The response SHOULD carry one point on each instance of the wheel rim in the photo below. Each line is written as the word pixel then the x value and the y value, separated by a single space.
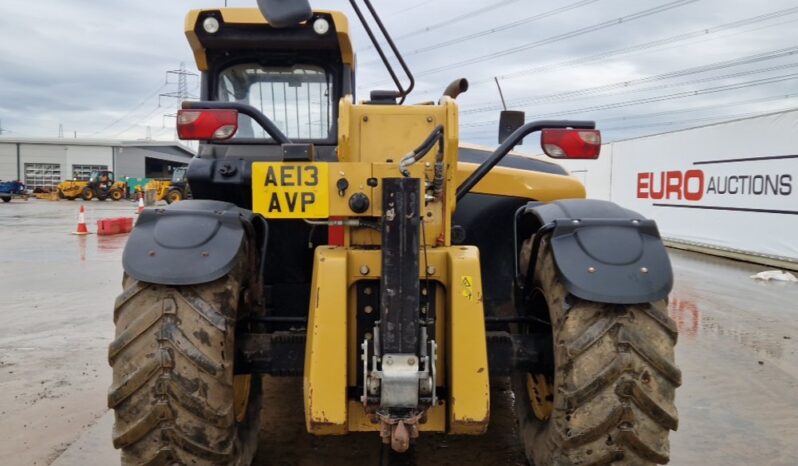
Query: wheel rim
pixel 174 197
pixel 540 382
pixel 541 395
pixel 242 384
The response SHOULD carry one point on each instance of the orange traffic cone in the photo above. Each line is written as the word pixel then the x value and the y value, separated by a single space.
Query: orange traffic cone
pixel 81 230
pixel 141 203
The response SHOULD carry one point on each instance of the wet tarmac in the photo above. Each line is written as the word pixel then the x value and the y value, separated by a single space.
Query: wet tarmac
pixel 56 294
pixel 737 351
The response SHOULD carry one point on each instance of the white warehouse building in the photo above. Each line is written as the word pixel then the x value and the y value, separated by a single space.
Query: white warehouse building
pixel 42 163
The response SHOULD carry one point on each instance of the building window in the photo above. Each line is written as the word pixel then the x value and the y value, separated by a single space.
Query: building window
pixel 83 172
pixel 42 175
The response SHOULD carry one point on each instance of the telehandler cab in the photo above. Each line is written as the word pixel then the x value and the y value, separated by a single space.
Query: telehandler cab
pixel 432 268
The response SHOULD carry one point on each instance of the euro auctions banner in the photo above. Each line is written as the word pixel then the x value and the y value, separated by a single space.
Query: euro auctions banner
pixel 731 186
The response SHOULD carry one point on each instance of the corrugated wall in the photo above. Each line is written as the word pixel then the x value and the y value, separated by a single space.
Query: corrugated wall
pixel 8 162
pixel 87 155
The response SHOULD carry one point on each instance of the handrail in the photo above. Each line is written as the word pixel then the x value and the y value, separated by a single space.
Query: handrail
pixel 403 92
pixel 508 145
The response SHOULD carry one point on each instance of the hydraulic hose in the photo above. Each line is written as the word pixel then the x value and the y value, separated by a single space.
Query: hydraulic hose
pixel 436 136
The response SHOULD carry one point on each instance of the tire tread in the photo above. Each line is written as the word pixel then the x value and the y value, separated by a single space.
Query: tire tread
pixel 173 377
pixel 615 382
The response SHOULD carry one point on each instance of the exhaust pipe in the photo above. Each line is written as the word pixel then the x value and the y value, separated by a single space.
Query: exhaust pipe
pixel 457 87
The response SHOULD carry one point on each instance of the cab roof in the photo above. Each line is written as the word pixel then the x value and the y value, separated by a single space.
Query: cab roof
pixel 253 17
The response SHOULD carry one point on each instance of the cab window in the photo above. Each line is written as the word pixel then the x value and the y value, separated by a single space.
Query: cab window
pixel 298 99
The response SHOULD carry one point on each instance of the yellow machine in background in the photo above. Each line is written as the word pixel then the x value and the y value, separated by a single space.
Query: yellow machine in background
pixel 160 186
pixel 100 185
pixel 172 190
pixel 357 245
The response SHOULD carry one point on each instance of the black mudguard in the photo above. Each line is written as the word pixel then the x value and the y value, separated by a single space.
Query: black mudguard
pixel 187 243
pixel 603 252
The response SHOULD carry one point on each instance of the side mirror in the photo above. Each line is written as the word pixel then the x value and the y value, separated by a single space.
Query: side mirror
pixel 509 121
pixel 285 13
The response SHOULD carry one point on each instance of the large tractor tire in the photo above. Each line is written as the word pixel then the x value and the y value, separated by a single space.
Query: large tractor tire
pixel 176 397
pixel 87 194
pixel 608 397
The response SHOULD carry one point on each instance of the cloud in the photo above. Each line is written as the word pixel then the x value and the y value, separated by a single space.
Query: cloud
pixel 87 63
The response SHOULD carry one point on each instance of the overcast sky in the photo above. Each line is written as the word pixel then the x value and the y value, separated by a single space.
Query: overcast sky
pixel 97 67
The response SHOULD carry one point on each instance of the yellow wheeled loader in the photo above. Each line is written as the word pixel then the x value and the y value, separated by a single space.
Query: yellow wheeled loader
pixel 432 268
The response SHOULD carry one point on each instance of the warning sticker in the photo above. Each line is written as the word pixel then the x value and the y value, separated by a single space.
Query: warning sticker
pixel 468 286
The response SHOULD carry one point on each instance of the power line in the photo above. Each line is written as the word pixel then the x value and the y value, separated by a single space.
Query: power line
pixel 130 112
pixel 494 30
pixel 651 44
pixel 138 122
pixel 641 116
pixel 646 46
pixel 750 59
pixel 446 22
pixel 687 124
pixel 678 95
pixel 702 108
pixel 559 37
pixel 163 131
pixel 727 116
pixel 412 7
pixel 716 78
pixel 181 93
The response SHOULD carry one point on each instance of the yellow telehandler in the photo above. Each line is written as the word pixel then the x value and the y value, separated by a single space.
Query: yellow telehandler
pixel 100 185
pixel 433 268
pixel 170 190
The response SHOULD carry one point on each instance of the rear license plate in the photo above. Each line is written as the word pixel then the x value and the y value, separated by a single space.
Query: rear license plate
pixel 290 190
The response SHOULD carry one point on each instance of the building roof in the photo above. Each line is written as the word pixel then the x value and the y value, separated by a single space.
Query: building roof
pixel 95 142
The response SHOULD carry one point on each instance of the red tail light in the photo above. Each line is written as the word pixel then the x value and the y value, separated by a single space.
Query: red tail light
pixel 206 125
pixel 571 143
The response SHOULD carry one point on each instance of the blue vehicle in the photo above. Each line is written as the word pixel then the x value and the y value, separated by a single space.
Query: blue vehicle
pixel 11 189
